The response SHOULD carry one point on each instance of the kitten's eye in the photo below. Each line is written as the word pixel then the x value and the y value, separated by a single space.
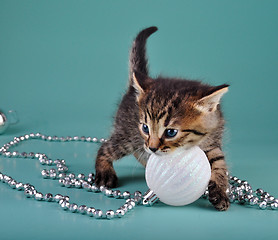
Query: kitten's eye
pixel 169 133
pixel 145 129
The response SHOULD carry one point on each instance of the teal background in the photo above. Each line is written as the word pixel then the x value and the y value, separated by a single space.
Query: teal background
pixel 63 68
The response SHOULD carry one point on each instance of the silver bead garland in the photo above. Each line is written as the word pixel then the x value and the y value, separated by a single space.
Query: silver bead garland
pixel 239 191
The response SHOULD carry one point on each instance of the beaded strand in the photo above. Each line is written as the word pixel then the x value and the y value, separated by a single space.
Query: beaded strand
pixel 239 191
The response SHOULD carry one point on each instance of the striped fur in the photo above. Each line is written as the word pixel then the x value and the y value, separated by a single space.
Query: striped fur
pixel 153 107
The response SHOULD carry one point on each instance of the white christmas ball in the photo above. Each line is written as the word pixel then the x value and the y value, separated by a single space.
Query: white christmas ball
pixel 178 178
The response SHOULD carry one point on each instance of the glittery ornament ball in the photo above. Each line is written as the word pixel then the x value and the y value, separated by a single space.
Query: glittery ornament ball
pixel 178 178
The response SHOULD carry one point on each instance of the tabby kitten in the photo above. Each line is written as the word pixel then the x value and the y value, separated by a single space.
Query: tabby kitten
pixel 158 115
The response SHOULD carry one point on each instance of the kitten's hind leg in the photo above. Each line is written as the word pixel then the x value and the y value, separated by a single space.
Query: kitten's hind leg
pixel 114 149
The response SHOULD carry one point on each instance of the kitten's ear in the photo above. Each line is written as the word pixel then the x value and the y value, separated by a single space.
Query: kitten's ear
pixel 140 82
pixel 212 99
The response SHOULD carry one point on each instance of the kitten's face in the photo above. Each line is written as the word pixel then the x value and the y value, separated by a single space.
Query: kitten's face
pixel 167 124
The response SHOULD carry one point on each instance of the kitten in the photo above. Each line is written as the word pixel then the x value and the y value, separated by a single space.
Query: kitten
pixel 158 115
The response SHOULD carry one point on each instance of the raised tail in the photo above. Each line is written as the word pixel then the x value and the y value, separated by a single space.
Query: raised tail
pixel 137 59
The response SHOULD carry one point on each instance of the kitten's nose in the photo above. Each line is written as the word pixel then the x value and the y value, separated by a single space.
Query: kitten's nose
pixel 153 149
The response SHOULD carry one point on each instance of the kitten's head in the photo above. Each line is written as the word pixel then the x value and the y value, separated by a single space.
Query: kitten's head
pixel 176 113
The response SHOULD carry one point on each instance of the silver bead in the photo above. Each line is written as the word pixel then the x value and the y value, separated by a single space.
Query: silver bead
pixel 270 199
pixel 54 138
pixel 76 138
pixel 81 176
pixel 58 197
pixel 253 201
pixel 124 208
pixel 78 184
pixel 82 209
pixel 83 138
pixel 274 206
pixel 19 186
pixel 98 214
pixel 63 169
pixel 31 154
pixel 62 161
pixel 48 197
pixel 28 186
pixel 120 213
pixel 91 211
pixel 49 162
pixel 232 198
pixel 241 199
pixel 53 175
pixel 117 194
pixel 62 175
pixel 88 139
pixel 138 200
pixel 23 154
pixel 71 175
pixel 67 179
pixel 42 161
pixel 29 193
pixel 73 207
pixel 130 205
pixel 87 186
pixel 38 135
pixel 259 191
pixel 110 214
pixel 131 201
pixel 72 181
pixel 90 180
pixel 38 196
pixel 67 198
pixel 6 178
pixel 45 173
pixel 64 204
pixel 126 194
pixel 94 188
pixel 62 182
pixel 102 188
pixel 1 177
pixel 108 193
pixel 15 154
pixel 67 184
pixel 137 194
pixel 94 139
pixel 263 205
pixel 265 195
pixel 12 183
pixel 102 140
pixel 91 175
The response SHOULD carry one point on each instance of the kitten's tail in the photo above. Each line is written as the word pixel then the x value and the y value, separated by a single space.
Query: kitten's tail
pixel 137 59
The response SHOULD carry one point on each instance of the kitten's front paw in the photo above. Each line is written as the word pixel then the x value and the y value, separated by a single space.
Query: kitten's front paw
pixel 218 197
pixel 107 178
